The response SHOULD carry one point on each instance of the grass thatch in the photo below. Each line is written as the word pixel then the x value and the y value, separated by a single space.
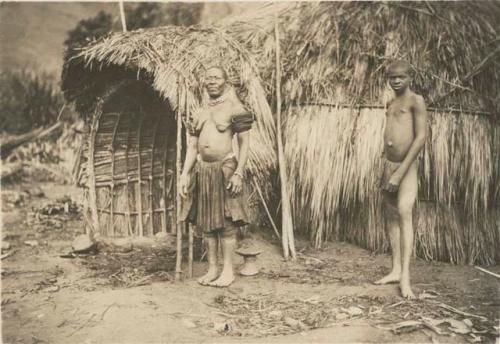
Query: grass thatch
pixel 173 59
pixel 336 53
pixel 339 50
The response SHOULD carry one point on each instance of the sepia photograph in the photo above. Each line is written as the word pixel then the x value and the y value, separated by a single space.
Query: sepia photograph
pixel 250 172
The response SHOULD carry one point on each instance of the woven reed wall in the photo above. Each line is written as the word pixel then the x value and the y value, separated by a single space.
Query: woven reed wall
pixel 129 162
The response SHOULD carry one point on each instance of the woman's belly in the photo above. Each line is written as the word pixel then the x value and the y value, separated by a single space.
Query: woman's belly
pixel 214 145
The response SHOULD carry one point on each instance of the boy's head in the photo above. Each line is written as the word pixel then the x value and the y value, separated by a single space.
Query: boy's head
pixel 399 74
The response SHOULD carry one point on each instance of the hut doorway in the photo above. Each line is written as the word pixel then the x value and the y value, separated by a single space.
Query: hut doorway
pixel 131 163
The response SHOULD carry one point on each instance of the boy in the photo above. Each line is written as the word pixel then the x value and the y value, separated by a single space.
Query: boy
pixel 404 138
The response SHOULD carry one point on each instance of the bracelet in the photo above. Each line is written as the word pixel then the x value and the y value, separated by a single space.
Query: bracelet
pixel 238 174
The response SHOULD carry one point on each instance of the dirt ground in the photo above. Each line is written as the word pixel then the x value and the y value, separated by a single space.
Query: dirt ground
pixel 129 296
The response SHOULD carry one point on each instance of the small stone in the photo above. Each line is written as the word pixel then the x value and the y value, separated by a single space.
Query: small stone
pixel 126 248
pixel 31 243
pixel 468 322
pixel 353 311
pixel 52 289
pixel 291 322
pixel 222 327
pixel 276 314
pixel 83 244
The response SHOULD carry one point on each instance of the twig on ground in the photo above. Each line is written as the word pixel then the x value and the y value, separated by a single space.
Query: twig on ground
pixel 82 326
pixel 454 310
pixel 8 254
pixel 487 272
pixel 396 304
pixel 107 309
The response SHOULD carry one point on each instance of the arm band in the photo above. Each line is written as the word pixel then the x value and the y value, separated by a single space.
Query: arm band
pixel 242 122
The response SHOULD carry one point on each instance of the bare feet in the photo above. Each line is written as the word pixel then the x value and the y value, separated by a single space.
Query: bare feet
pixel 406 291
pixel 208 277
pixel 393 277
pixel 224 280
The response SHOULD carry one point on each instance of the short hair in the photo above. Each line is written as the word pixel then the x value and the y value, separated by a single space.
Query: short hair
pixel 224 73
pixel 400 64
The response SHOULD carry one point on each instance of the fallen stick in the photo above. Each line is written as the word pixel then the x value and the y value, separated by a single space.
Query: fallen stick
pixel 107 309
pixel 396 304
pixel 454 310
pixel 487 272
pixel 8 254
pixel 82 326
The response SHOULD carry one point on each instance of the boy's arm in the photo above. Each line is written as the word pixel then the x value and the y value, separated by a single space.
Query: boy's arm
pixel 420 125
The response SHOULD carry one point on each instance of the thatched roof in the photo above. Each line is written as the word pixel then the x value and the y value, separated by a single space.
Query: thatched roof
pixel 173 60
pixel 339 50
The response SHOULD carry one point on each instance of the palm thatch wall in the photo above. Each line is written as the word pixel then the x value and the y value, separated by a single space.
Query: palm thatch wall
pixel 335 55
pixel 334 91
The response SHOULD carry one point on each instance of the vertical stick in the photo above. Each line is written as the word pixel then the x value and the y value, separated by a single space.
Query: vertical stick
pixel 190 234
pixel 164 191
pixel 129 217
pixel 178 264
pixel 151 176
pixel 112 186
pixel 190 255
pixel 139 177
pixel 287 222
pixel 122 16
pixel 91 172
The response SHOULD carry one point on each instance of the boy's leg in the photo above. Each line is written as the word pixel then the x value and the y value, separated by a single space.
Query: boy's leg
pixel 407 196
pixel 228 236
pixel 212 243
pixel 392 227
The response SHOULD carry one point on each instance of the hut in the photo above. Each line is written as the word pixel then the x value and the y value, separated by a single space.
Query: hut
pixel 334 96
pixel 138 91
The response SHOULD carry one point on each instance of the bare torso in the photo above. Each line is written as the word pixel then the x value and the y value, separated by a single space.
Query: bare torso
pixel 215 141
pixel 399 130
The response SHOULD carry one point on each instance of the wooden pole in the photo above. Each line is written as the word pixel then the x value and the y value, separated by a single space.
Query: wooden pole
pixel 122 16
pixel 190 237
pixel 178 264
pixel 286 216
pixel 190 255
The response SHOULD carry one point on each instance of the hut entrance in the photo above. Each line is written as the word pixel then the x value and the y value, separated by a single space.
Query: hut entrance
pixel 132 148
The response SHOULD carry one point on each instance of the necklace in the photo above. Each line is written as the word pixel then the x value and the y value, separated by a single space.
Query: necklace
pixel 219 100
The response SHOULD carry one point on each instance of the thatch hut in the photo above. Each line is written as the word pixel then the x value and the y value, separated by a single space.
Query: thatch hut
pixel 334 95
pixel 138 91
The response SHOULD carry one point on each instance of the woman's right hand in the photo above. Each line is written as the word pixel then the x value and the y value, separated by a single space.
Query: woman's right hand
pixel 183 186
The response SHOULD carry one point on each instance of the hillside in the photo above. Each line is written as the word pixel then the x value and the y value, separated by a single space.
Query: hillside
pixel 32 34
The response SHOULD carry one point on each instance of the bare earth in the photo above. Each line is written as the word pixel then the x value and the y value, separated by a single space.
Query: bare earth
pixel 130 296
